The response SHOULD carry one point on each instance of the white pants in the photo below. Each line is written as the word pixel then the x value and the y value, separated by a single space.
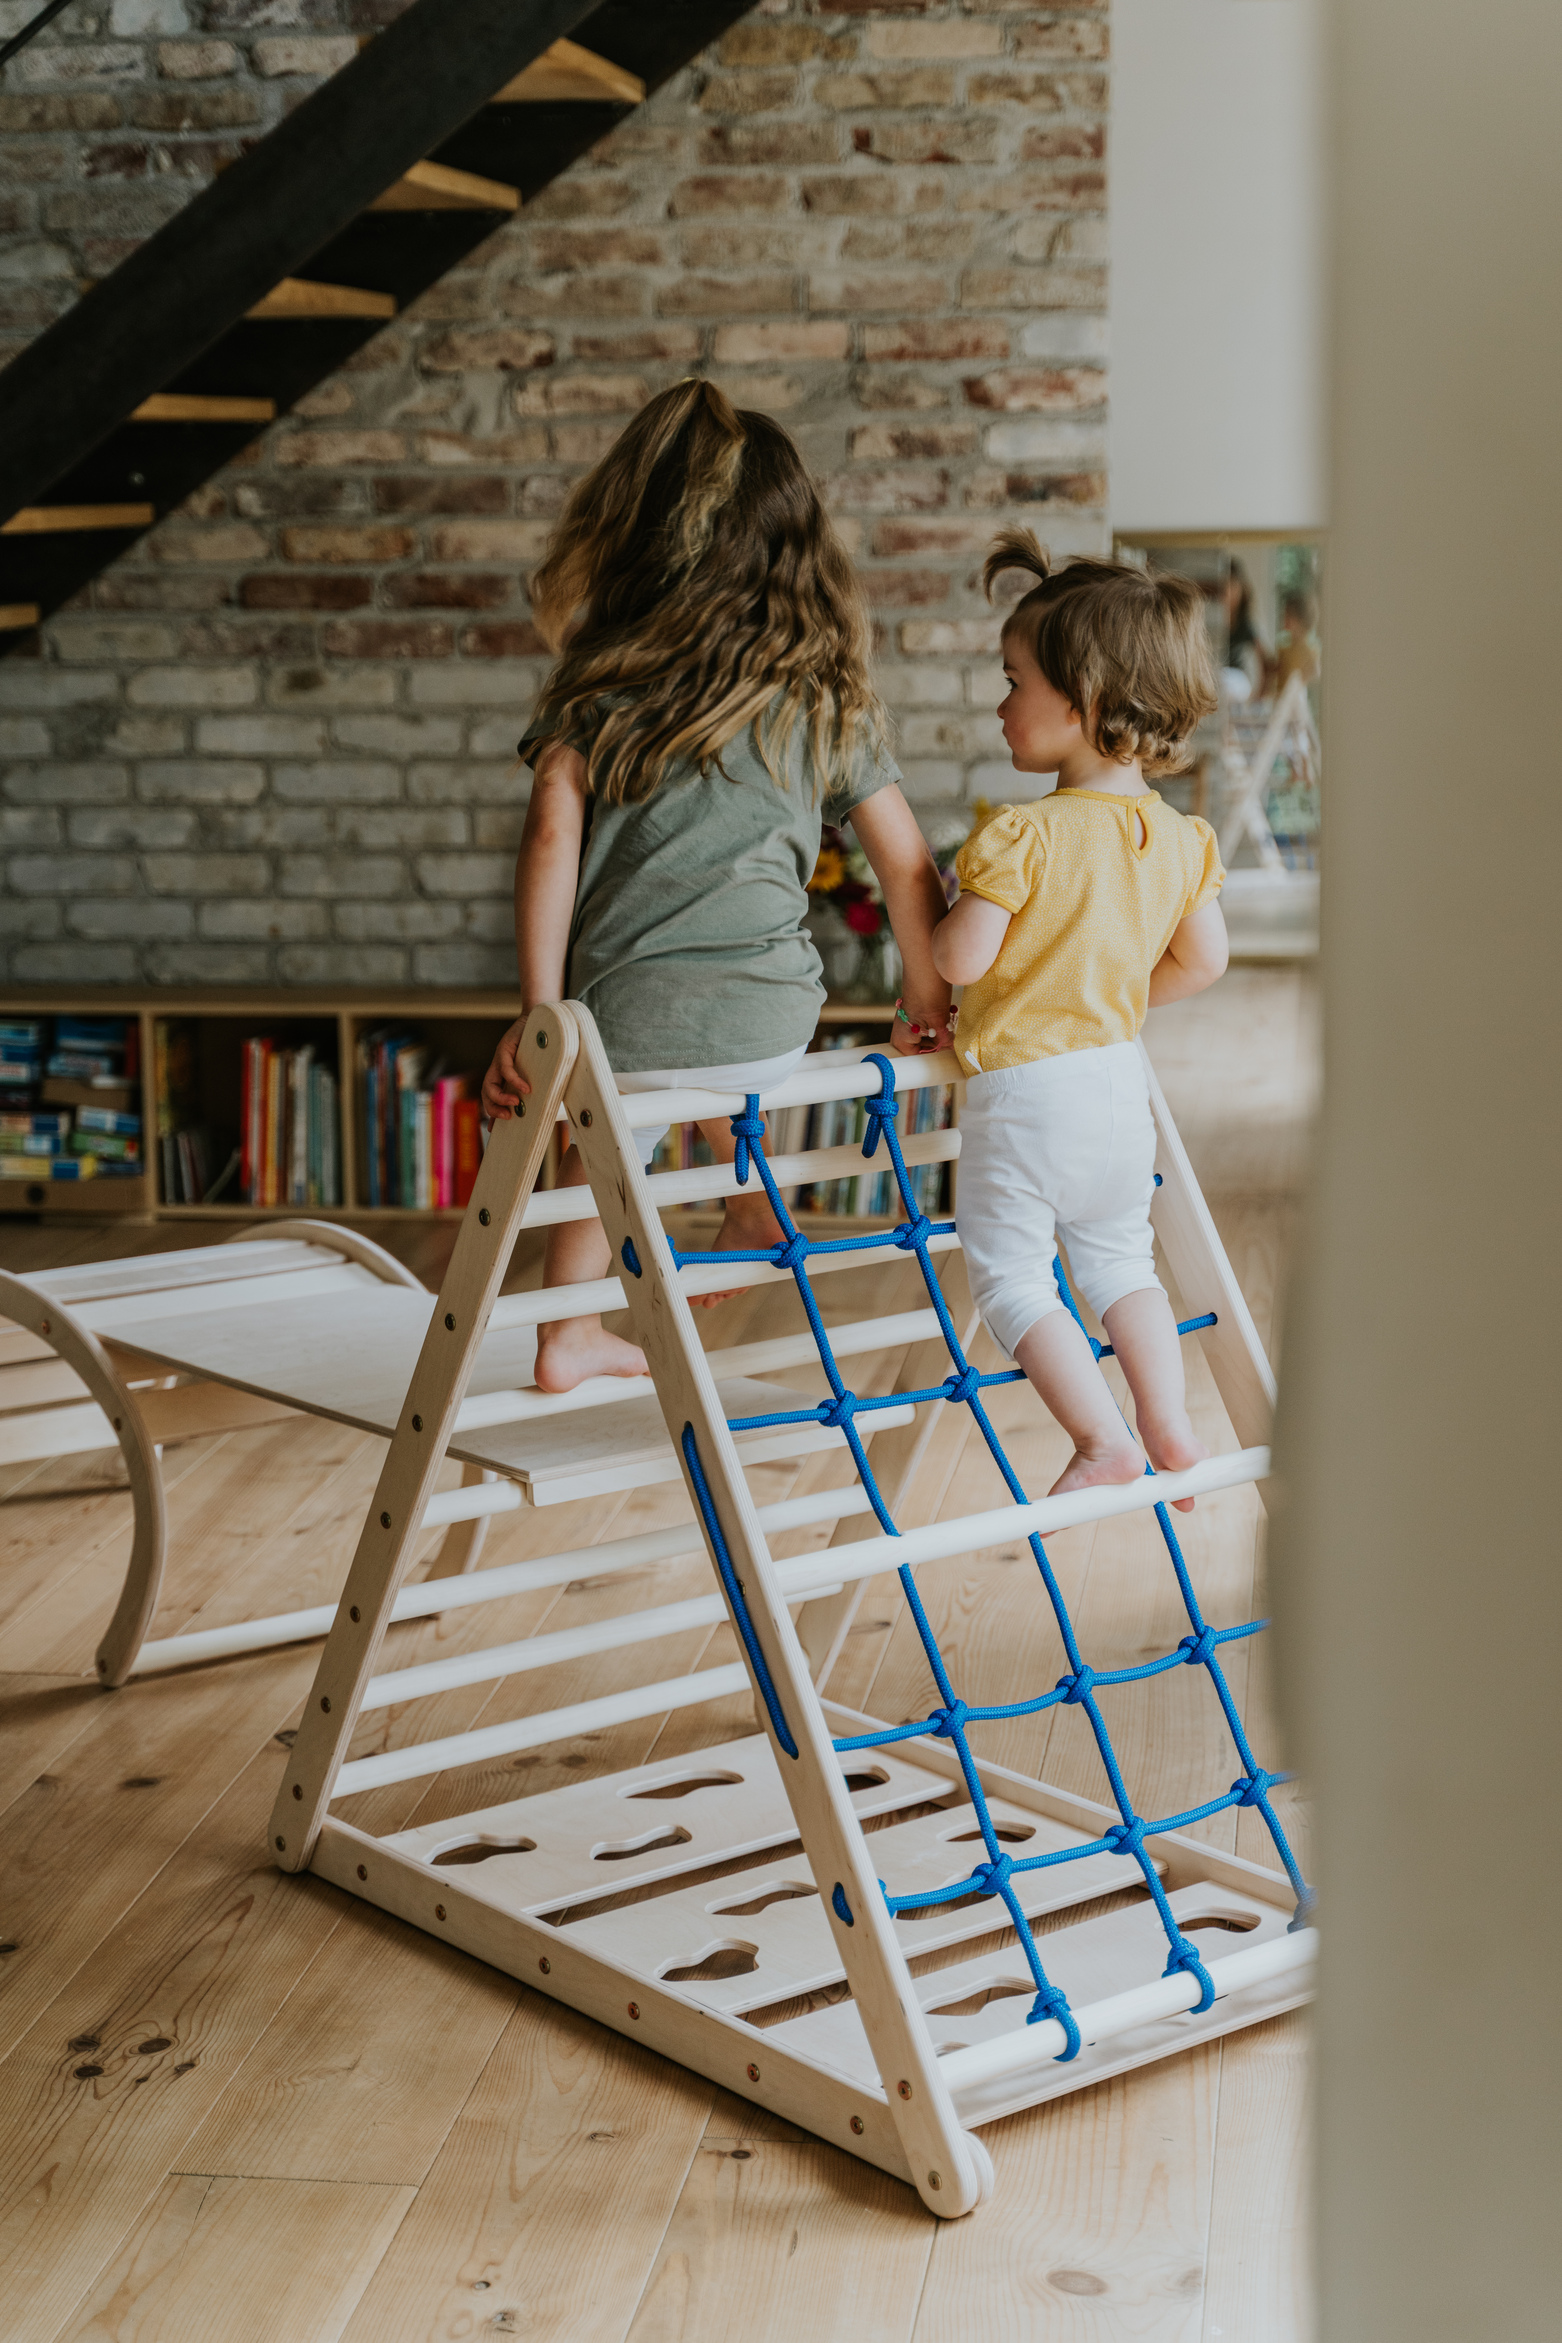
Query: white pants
pixel 757 1074
pixel 1064 1147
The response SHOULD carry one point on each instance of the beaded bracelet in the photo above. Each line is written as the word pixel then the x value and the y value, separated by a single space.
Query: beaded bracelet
pixel 927 1035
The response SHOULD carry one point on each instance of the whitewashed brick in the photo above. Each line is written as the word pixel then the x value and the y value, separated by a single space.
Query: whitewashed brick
pixel 83 639
pixel 132 826
pixel 29 825
pixel 332 687
pixel 208 874
pixel 73 963
pixel 33 683
pixel 262 923
pixel 469 875
pixel 342 873
pixel 26 919
pixel 71 874
pixel 67 784
pixel 23 736
pixel 193 687
pixel 402 826
pixel 338 783
pixel 400 736
pixel 191 781
pixel 342 964
pixel 499 783
pixel 142 921
pixel 479 683
pixel 475 964
pixel 206 963
pixel 259 736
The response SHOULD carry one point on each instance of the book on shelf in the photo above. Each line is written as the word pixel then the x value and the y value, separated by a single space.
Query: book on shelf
pixel 422 1126
pixel 872 1193
pixel 289 1136
pixel 63 1138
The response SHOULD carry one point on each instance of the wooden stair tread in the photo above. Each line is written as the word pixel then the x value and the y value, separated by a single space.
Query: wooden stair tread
pixel 302 297
pixel 435 187
pixel 15 615
pixel 190 407
pixel 47 520
pixel 566 70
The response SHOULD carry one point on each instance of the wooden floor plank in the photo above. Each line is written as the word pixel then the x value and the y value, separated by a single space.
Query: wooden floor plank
pixel 1096 2230
pixel 366 2065
pixel 1259 2238
pixel 780 2239
pixel 79 1845
pixel 249 2261
pixel 40 1716
pixel 544 2210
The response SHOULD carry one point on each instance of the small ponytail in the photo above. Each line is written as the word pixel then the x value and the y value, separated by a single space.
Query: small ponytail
pixel 1016 549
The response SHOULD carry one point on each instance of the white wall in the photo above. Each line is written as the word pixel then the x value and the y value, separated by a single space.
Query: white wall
pixel 1216 252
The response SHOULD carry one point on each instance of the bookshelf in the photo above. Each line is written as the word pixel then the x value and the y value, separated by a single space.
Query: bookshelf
pixel 459 1029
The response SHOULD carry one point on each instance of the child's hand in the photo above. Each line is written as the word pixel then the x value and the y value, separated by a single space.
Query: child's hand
pixel 929 1031
pixel 504 1084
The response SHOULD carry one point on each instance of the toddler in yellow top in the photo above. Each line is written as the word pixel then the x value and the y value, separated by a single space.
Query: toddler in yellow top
pixel 1078 912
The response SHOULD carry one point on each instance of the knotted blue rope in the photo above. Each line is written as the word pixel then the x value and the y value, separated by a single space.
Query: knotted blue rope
pixel 997 1874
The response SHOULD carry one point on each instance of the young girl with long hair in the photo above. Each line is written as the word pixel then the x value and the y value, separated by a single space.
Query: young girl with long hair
pixel 710 708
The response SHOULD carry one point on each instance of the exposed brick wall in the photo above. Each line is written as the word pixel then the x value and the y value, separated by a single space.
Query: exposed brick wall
pixel 117 113
pixel 278 744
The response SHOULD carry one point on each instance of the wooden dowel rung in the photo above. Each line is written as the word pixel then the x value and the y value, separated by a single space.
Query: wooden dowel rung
pixel 49 520
pixel 559 1724
pixel 300 297
pixel 607 1293
pixel 709 1183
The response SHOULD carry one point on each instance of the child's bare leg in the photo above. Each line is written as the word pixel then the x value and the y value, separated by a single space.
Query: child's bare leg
pixel 748 1224
pixel 570 1349
pixel 1061 1365
pixel 1144 1336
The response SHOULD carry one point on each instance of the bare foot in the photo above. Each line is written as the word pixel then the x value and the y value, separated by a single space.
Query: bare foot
pixel 1172 1447
pixel 571 1349
pixel 745 1228
pixel 1089 1468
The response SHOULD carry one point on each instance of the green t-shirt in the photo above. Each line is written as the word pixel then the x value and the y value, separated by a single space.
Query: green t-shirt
pixel 687 943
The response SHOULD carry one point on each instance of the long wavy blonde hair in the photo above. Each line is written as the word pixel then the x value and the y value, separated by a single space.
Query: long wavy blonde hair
pixel 695 585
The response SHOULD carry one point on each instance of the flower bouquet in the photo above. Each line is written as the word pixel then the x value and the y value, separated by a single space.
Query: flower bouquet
pixel 848 921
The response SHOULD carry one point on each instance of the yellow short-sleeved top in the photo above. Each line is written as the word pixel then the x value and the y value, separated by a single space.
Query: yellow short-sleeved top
pixel 1093 908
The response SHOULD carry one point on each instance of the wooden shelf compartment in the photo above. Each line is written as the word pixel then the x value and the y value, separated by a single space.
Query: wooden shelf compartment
pixel 458 1025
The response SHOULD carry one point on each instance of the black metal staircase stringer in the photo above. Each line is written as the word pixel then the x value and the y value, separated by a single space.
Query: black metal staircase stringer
pixel 402 97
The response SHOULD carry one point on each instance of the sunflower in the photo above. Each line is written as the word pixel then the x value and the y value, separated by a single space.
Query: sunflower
pixel 829 871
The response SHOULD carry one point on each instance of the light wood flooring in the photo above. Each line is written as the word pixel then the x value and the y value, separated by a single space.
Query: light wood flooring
pixel 242 2108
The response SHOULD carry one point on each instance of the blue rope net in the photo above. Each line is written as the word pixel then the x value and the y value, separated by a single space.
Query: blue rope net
pixel 950 1720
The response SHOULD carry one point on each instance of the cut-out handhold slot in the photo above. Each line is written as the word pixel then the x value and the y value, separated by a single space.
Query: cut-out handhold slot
pixel 1008 1834
pixel 481 1850
pixel 1235 1923
pixel 775 1891
pixel 716 1963
pixel 682 1785
pixel 865 1777
pixel 993 1989
pixel 619 1850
